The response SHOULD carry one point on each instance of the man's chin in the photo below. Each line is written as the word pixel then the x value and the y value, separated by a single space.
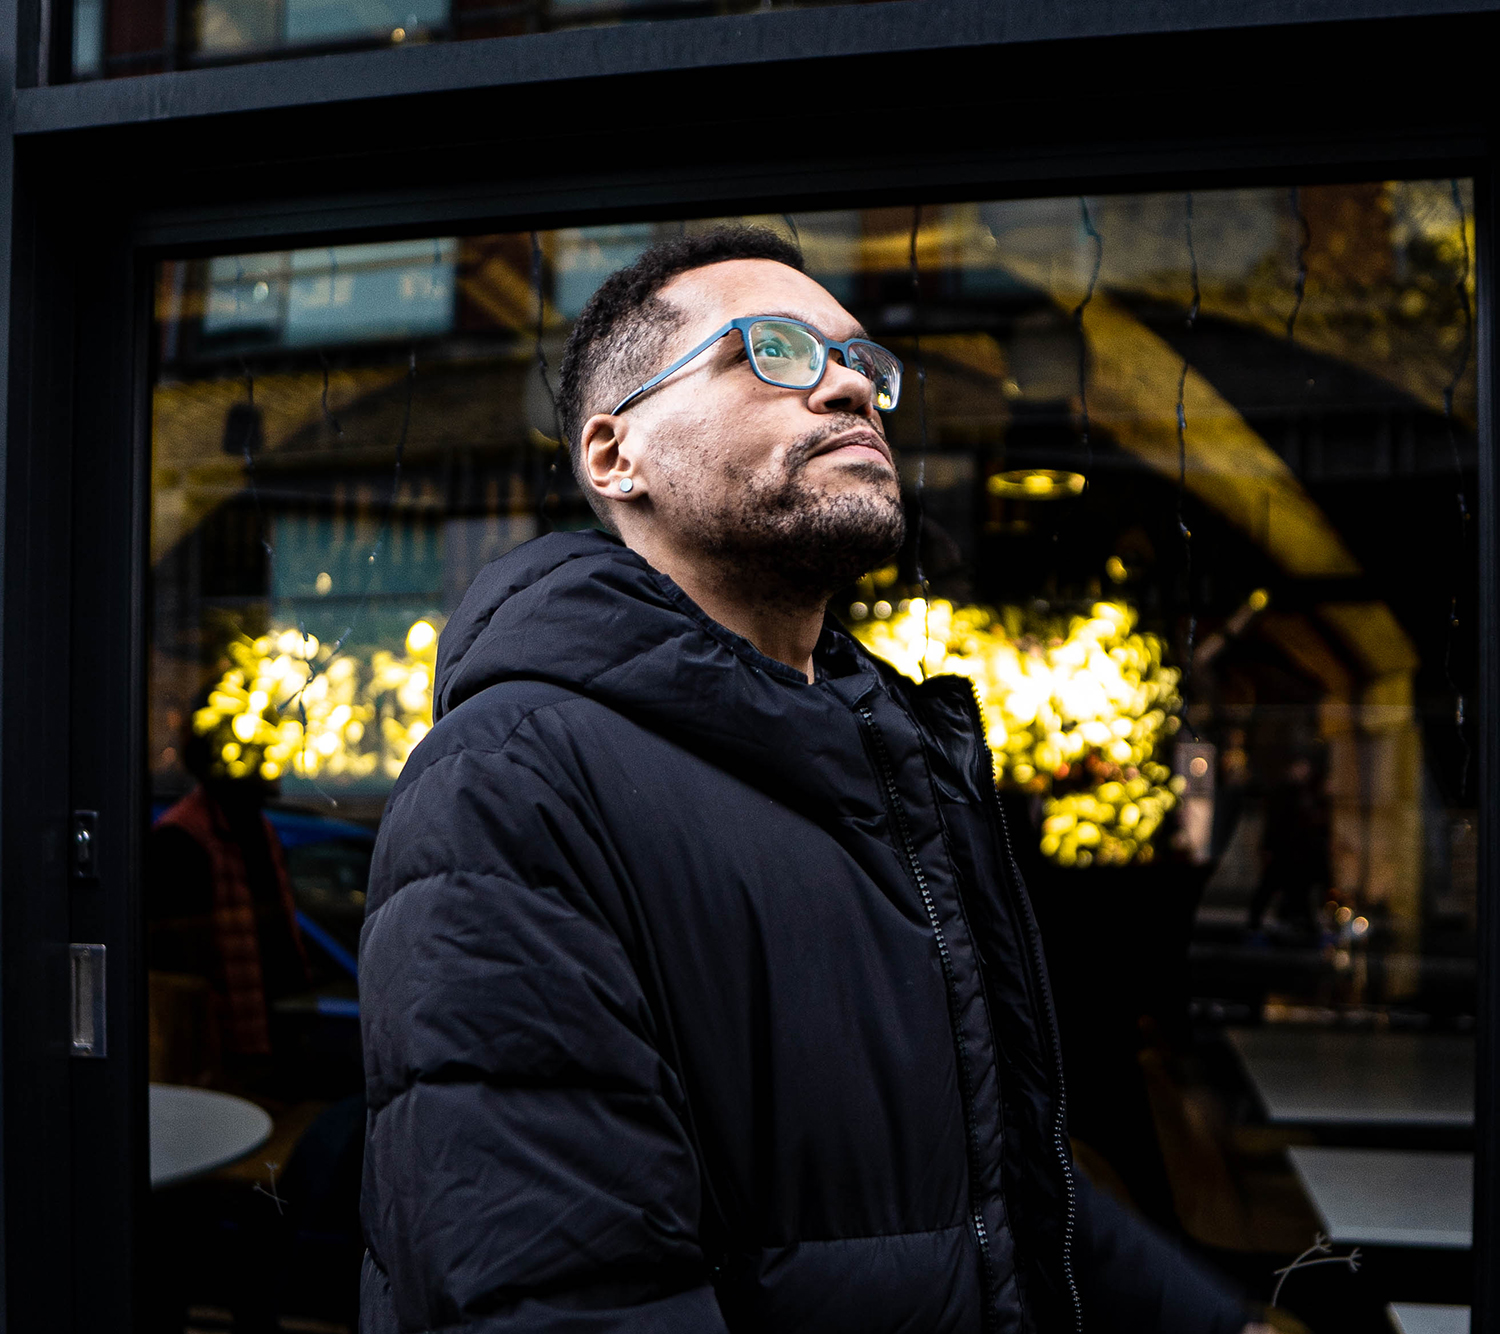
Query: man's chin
pixel 842 535
pixel 816 533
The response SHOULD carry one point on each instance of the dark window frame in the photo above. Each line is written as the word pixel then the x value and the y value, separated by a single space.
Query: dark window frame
pixel 984 101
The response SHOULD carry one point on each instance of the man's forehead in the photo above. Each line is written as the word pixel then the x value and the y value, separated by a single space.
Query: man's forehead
pixel 732 288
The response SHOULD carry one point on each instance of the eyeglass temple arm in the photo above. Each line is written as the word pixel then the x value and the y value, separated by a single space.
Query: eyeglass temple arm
pixel 672 369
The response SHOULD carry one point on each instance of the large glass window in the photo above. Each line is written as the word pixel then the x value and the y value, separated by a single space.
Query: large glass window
pixel 1197 476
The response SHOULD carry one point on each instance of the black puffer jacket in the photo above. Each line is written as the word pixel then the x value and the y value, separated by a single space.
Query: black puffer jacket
pixel 696 997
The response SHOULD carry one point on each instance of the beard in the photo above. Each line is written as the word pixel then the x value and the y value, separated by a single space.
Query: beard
pixel 797 543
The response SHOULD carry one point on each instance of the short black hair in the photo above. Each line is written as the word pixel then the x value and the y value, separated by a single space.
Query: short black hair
pixel 622 332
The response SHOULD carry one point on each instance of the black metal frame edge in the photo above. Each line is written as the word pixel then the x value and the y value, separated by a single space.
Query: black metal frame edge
pixel 9 30
pixel 931 180
pixel 1486 1243
pixel 74 658
pixel 837 32
pixel 35 714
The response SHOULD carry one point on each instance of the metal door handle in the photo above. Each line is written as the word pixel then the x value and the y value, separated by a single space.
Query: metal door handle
pixel 87 965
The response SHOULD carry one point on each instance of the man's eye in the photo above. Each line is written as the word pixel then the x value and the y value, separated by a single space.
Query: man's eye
pixel 771 348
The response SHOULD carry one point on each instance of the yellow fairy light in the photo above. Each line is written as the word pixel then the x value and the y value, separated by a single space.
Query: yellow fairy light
pixel 1081 699
pixel 421 637
pixel 286 701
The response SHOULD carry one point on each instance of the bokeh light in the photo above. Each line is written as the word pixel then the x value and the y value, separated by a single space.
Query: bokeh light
pixel 1076 709
pixel 287 703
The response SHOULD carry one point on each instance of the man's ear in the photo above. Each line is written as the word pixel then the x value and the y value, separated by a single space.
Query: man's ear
pixel 608 456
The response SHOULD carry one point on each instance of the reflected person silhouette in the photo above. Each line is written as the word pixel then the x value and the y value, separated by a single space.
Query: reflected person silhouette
pixel 1295 847
pixel 219 908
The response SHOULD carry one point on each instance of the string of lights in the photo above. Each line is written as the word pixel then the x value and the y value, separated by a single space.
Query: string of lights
pixel 549 475
pixel 248 432
pixel 1304 240
pixel 1466 348
pixel 1461 286
pixel 921 368
pixel 1183 530
pixel 1097 242
pixel 329 419
pixel 290 663
pixel 1078 709
pixel 390 508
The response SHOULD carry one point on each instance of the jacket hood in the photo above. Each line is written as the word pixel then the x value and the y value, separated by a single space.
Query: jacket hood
pixel 583 611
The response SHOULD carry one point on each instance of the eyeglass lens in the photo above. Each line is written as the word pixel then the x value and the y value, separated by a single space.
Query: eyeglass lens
pixel 786 354
pixel 881 369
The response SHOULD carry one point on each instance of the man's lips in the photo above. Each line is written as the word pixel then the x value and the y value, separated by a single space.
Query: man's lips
pixel 856 444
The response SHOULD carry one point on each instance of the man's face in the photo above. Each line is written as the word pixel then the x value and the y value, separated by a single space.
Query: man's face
pixel 794 485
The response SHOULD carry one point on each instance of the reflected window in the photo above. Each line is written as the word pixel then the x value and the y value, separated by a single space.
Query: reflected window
pixel 121 37
pixel 1198 484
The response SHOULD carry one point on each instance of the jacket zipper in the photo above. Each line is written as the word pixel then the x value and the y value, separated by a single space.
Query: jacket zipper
pixel 1034 940
pixel 950 982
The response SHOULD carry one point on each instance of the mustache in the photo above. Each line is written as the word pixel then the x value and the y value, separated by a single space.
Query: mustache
pixel 806 446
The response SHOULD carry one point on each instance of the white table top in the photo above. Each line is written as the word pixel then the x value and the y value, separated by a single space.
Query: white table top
pixel 1420 1318
pixel 1390 1197
pixel 1359 1078
pixel 196 1130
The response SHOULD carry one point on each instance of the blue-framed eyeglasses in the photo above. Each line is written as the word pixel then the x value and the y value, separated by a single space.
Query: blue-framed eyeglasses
pixel 792 355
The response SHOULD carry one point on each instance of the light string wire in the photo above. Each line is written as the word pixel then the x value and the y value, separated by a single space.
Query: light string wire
pixel 1182 528
pixel 1461 286
pixel 268 547
pixel 921 493
pixel 1086 438
pixel 549 475
pixel 384 532
pixel 271 1192
pixel 366 596
pixel 248 455
pixel 372 560
pixel 1299 295
pixel 328 418
pixel 1450 390
pixel 1319 1253
pixel 1299 287
pixel 1304 241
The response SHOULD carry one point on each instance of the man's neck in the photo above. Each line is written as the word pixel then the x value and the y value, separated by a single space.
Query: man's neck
pixel 782 624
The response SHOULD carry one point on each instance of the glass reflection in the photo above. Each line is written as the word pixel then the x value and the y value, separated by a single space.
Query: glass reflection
pixel 1205 557
pixel 119 37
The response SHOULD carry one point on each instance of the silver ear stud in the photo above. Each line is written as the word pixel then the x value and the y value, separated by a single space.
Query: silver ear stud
pixel 627 485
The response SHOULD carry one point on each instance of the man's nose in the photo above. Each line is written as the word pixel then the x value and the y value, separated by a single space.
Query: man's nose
pixel 843 390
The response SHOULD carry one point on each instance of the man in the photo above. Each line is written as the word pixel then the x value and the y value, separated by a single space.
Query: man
pixel 700 992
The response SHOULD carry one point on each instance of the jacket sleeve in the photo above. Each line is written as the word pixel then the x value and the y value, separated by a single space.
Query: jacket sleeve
pixel 527 1166
pixel 1134 1280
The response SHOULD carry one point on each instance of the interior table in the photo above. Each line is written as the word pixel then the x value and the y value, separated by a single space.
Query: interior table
pixel 1327 1077
pixel 1421 1318
pixel 1390 1197
pixel 196 1130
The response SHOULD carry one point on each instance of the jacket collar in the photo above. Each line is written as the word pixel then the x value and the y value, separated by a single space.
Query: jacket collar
pixel 583 611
